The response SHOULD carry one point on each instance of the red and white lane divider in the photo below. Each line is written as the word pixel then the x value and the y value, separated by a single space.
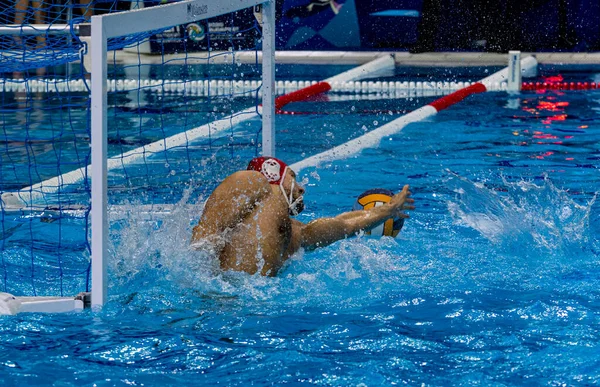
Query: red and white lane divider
pixel 373 138
pixel 383 63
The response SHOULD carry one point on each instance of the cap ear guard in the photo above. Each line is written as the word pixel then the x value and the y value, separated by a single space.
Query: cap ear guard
pixel 292 204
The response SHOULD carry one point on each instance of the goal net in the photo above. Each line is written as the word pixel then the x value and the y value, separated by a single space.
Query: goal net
pixel 175 101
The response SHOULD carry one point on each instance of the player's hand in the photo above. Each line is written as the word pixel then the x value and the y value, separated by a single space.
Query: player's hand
pixel 402 202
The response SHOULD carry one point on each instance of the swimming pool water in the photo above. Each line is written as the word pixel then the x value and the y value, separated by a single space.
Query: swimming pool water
pixel 493 281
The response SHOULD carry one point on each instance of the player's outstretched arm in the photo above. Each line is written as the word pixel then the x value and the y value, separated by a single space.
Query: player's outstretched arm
pixel 324 231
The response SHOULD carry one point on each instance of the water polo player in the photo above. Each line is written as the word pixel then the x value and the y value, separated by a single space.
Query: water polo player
pixel 246 220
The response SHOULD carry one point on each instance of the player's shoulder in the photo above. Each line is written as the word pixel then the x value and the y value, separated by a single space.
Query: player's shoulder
pixel 246 180
pixel 250 177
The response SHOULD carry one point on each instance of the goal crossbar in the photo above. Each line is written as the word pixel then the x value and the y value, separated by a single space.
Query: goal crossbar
pixel 167 15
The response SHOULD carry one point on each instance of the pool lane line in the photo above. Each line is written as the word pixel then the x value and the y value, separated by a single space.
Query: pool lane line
pixel 453 98
pixel 383 63
pixel 25 197
pixel 373 138
pixel 296 90
pixel 226 88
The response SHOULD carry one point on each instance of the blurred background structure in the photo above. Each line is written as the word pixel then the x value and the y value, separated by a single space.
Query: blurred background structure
pixel 399 25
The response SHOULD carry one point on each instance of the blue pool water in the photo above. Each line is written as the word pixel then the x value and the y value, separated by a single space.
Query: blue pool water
pixel 493 281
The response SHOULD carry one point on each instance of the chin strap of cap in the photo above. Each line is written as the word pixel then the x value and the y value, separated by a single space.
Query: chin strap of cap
pixel 290 199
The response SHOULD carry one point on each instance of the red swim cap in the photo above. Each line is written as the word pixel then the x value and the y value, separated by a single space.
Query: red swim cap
pixel 272 168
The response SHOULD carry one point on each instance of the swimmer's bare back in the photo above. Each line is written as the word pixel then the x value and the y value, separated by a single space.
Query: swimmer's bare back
pixel 247 222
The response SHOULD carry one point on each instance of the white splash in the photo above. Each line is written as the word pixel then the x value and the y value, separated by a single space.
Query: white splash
pixel 523 213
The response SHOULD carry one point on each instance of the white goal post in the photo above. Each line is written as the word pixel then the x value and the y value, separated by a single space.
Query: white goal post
pixel 104 27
